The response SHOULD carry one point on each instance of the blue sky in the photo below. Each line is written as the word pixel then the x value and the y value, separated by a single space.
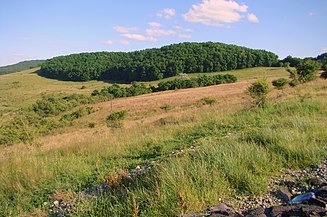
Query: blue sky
pixel 40 29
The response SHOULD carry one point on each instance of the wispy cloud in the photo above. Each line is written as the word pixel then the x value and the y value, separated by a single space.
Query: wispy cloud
pixel 216 12
pixel 159 32
pixel 178 27
pixel 155 24
pixel 253 18
pixel 140 37
pixel 167 13
pixel 122 29
pixel 184 36
pixel 311 13
pixel 120 41
pixel 108 42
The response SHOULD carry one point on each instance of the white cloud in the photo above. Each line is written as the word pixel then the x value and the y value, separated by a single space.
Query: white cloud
pixel 139 37
pixel 121 41
pixel 178 27
pixel 167 13
pixel 124 42
pixel 122 29
pixel 253 18
pixel 216 12
pixel 154 24
pixel 108 42
pixel 184 36
pixel 159 32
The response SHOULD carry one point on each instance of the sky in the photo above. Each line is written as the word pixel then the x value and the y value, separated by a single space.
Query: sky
pixel 41 29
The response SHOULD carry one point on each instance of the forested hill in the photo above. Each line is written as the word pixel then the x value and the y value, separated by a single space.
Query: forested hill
pixel 20 66
pixel 156 63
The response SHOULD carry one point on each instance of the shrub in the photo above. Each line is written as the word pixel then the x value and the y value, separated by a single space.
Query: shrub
pixel 208 101
pixel 306 70
pixel 117 116
pixel 54 105
pixel 68 118
pixel 114 119
pixel 91 125
pixel 165 107
pixel 279 83
pixel 258 91
pixel 293 83
pixel 324 75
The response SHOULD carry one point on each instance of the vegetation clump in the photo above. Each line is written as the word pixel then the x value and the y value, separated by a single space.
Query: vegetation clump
pixel 208 101
pixel 115 118
pixel 280 83
pixel 166 107
pixel 259 91
pixel 304 72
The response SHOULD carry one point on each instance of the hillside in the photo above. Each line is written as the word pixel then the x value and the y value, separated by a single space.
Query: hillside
pixel 198 152
pixel 156 63
pixel 20 66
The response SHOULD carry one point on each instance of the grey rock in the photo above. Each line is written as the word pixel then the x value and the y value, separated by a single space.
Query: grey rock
pixel 298 210
pixel 321 192
pixel 317 202
pixel 193 215
pixel 223 210
pixel 284 194
pixel 259 212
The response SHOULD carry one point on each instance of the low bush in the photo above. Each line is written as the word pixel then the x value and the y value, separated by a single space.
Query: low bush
pixel 279 83
pixel 69 118
pixel 258 91
pixel 117 116
pixel 165 107
pixel 208 101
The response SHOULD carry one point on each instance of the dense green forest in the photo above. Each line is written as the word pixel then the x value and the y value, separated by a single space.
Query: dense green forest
pixel 295 61
pixel 156 63
pixel 20 66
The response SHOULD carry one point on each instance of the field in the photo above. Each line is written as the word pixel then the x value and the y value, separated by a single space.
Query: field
pixel 199 153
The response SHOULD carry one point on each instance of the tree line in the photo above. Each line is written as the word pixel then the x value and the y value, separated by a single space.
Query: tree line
pixel 156 63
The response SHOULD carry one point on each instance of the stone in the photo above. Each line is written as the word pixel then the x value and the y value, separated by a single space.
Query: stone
pixel 321 192
pixel 193 215
pixel 56 203
pixel 314 181
pixel 223 210
pixel 284 194
pixel 258 212
pixel 298 210
pixel 317 202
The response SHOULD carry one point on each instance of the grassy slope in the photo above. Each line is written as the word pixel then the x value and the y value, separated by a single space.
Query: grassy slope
pixel 23 88
pixel 236 151
pixel 20 66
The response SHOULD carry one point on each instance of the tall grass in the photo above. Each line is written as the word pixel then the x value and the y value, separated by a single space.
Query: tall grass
pixel 234 154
